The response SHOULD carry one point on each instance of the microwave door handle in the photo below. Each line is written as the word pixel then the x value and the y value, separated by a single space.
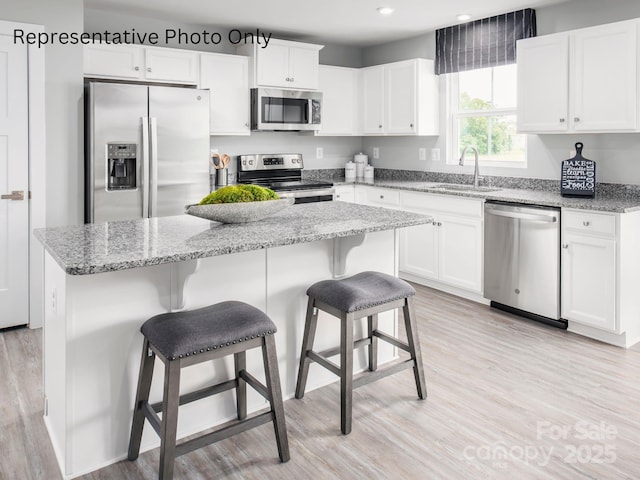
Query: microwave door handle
pixel 309 112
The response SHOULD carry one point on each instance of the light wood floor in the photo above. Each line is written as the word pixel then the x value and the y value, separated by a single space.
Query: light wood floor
pixel 508 398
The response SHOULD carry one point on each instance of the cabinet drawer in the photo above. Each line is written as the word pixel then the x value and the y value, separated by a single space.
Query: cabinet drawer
pixel 590 222
pixel 382 197
pixel 443 203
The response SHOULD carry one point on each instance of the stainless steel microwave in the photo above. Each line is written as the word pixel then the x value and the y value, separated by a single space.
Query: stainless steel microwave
pixel 290 110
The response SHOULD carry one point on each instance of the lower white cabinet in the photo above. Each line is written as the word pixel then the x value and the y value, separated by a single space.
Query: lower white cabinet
pixel 589 280
pixel 600 276
pixel 344 193
pixel 449 250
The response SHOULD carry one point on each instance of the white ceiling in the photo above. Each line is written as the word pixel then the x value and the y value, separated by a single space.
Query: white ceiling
pixel 349 22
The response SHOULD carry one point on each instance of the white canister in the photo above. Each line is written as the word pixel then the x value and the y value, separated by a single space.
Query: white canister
pixel 368 173
pixel 361 160
pixel 350 172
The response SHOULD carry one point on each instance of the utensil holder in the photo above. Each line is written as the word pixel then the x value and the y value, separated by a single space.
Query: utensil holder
pixel 221 177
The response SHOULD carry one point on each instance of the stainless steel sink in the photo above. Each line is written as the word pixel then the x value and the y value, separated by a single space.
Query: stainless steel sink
pixel 456 187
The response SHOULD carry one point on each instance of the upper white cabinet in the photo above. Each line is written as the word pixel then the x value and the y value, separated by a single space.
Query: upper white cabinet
pixel 580 81
pixel 283 64
pixel 340 105
pixel 400 98
pixel 135 62
pixel 227 77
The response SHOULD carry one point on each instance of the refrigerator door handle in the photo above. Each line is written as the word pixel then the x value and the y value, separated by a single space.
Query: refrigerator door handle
pixel 145 167
pixel 153 168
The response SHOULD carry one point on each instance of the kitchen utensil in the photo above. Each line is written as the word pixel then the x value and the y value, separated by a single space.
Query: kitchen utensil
pixel 221 177
pixel 578 178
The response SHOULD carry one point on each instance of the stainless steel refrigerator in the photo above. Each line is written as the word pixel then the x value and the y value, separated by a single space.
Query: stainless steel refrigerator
pixel 146 150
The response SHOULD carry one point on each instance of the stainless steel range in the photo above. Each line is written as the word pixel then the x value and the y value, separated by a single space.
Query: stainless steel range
pixel 282 172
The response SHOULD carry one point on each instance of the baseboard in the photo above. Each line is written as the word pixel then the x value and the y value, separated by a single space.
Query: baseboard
pixel 458 292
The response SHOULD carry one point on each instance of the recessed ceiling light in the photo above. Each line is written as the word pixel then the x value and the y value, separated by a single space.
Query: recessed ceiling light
pixel 385 10
pixel 463 16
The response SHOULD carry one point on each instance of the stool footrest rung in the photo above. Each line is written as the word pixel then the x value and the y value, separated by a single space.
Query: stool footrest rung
pixel 392 340
pixel 202 393
pixel 332 367
pixel 222 433
pixel 336 350
pixel 255 384
pixel 369 377
pixel 150 414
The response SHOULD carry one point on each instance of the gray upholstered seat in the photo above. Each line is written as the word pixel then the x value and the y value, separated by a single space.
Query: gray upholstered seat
pixel 362 291
pixel 181 334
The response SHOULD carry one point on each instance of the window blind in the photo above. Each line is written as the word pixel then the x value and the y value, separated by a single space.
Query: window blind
pixel 489 42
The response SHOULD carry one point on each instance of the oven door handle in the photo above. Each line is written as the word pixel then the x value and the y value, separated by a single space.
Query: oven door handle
pixel 306 193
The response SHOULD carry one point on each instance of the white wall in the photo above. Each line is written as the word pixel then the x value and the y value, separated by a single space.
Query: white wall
pixel 63 91
pixel 617 155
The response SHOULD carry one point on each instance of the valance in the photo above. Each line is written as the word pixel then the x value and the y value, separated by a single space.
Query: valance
pixel 489 42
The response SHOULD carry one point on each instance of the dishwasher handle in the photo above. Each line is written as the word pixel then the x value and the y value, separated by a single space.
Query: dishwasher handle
pixel 529 217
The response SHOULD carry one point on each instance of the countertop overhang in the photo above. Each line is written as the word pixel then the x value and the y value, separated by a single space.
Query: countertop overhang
pixel 106 247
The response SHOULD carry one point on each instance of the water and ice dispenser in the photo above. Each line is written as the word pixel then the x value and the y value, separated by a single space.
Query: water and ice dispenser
pixel 121 166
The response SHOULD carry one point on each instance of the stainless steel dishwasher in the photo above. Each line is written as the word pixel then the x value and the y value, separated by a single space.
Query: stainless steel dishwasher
pixel 522 260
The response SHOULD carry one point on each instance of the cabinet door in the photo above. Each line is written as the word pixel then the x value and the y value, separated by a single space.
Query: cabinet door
pixel 273 66
pixel 373 100
pixel 168 65
pixel 460 252
pixel 227 77
pixel 419 250
pixel 114 61
pixel 400 95
pixel 303 68
pixel 604 77
pixel 345 194
pixel 543 82
pixel 589 281
pixel 339 100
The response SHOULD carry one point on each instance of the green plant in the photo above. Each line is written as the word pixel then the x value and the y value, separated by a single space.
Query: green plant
pixel 239 193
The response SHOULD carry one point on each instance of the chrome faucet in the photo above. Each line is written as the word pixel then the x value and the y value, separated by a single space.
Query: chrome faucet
pixel 476 172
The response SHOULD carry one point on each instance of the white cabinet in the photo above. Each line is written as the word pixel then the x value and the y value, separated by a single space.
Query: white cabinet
pixel 227 77
pixel 340 105
pixel 373 95
pixel 283 64
pixel 135 62
pixel 344 193
pixel 400 98
pixel 580 81
pixel 601 274
pixel 445 253
pixel 589 244
pixel 449 250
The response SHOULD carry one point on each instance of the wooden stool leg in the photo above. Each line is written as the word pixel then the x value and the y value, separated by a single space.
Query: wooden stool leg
pixel 372 326
pixel 142 396
pixel 414 346
pixel 310 324
pixel 240 362
pixel 270 358
pixel 168 428
pixel 346 372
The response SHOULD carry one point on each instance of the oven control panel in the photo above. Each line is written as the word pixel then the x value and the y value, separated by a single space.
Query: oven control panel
pixel 278 161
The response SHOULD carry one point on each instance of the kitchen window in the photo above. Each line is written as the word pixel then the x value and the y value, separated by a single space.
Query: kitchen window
pixel 483 115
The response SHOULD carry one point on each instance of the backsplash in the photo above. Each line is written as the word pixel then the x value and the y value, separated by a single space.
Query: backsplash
pixel 614 190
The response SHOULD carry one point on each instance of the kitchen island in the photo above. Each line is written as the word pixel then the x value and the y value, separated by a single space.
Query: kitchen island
pixel 102 281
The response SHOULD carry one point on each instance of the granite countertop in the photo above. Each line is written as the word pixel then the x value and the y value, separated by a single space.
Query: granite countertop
pixel 106 247
pixel 619 201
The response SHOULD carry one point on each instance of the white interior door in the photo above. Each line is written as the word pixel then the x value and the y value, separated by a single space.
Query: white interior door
pixel 14 178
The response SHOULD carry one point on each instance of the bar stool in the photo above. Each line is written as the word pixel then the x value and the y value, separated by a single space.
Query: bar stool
pixel 364 295
pixel 181 339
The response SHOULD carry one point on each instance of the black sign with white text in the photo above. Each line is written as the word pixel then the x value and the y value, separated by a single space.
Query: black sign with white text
pixel 578 176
